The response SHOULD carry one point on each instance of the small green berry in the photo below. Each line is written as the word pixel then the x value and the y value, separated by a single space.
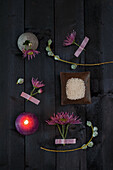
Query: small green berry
pixel 48 49
pixel 56 57
pixel 84 147
pixel 50 53
pixel 89 123
pixel 95 134
pixel 95 128
pixel 90 144
pixel 73 66
pixel 49 42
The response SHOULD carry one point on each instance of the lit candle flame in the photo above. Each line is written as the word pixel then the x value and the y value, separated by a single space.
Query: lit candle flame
pixel 26 122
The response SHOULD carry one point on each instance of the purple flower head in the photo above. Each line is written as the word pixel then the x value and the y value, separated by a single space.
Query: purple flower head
pixel 30 53
pixel 63 118
pixel 70 39
pixel 36 83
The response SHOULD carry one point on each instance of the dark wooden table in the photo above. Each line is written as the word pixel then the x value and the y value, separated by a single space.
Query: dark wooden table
pixel 54 19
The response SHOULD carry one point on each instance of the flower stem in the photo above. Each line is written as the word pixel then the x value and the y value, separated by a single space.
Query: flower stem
pixel 34 93
pixel 77 45
pixel 63 130
pixel 66 130
pixel 25 46
pixel 61 133
pixel 31 94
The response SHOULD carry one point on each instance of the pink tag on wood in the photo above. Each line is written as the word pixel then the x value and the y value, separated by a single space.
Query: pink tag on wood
pixel 81 48
pixel 65 141
pixel 30 98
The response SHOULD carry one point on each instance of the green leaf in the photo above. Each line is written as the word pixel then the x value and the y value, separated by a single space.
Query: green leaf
pixel 26 42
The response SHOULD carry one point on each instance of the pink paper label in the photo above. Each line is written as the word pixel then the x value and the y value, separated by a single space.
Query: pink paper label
pixel 65 141
pixel 30 98
pixel 81 48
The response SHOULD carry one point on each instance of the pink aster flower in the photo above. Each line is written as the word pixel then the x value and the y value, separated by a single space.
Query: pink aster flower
pixel 63 118
pixel 36 87
pixel 30 53
pixel 36 83
pixel 70 39
pixel 62 121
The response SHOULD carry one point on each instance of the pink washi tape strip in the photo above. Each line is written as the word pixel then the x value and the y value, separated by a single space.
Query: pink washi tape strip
pixel 81 48
pixel 65 141
pixel 30 98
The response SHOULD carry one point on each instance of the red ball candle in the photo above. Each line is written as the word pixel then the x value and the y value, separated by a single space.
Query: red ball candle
pixel 26 123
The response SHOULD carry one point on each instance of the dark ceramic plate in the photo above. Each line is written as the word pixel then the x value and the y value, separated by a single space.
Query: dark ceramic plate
pixel 85 76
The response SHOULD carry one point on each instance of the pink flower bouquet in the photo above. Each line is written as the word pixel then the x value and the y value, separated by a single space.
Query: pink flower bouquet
pixel 63 120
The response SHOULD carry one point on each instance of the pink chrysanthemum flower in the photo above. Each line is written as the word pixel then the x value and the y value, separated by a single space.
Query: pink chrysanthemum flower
pixel 70 39
pixel 63 118
pixel 36 83
pixel 30 53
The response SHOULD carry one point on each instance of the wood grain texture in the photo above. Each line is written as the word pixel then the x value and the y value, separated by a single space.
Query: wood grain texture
pixel 107 84
pixel 54 19
pixel 11 68
pixel 39 19
pixel 93 18
pixel 69 16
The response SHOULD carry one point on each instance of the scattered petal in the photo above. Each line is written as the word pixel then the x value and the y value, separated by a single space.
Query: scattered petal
pixel 49 42
pixel 56 57
pixel 95 134
pixel 84 147
pixel 48 48
pixel 73 66
pixel 89 123
pixel 20 81
pixel 90 144
pixel 95 128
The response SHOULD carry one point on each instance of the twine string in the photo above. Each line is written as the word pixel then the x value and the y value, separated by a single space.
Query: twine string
pixel 70 150
pixel 96 64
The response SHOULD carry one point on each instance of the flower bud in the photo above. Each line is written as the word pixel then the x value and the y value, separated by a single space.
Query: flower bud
pixel 20 81
pixel 40 91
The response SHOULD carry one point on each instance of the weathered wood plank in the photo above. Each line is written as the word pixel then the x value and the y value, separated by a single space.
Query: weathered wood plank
pixel 39 19
pixel 98 25
pixel 11 68
pixel 93 55
pixel 107 84
pixel 69 15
